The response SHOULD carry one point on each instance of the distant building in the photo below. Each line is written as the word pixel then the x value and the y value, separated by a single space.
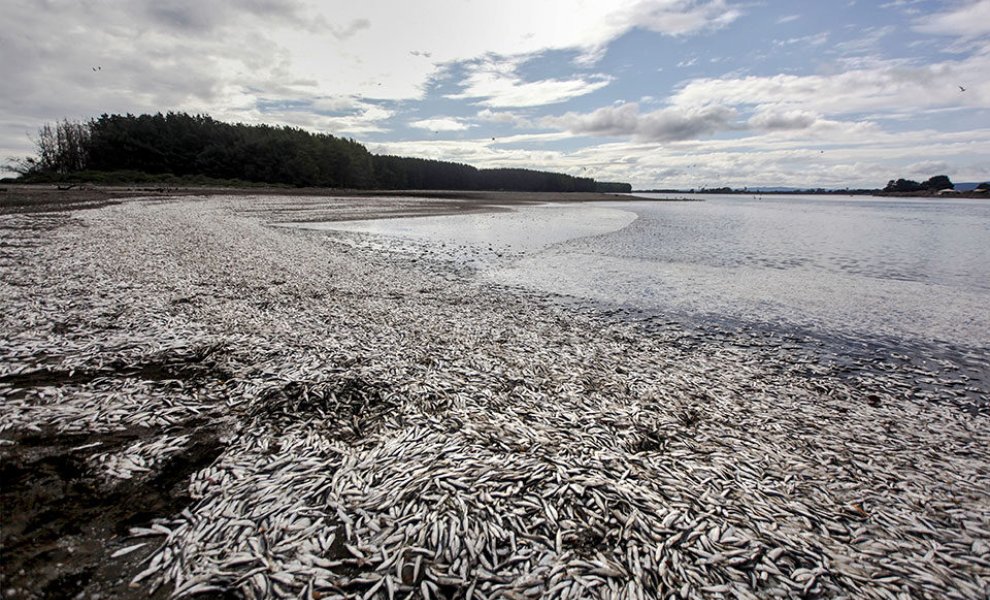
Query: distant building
pixel 947 192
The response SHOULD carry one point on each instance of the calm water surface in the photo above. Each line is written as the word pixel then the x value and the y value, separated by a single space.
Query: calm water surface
pixel 860 267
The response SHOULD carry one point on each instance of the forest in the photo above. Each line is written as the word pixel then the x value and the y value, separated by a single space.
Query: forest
pixel 934 184
pixel 197 146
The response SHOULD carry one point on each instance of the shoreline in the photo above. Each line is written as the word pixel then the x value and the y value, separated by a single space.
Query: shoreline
pixel 18 198
pixel 239 407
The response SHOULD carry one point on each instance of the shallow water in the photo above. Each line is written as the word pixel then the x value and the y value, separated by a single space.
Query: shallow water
pixel 859 267
pixel 905 268
pixel 487 240
pixel 862 286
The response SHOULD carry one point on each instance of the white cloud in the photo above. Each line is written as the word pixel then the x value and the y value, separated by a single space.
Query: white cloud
pixel 771 118
pixel 366 119
pixel 886 86
pixel 808 40
pixel 787 19
pixel 352 28
pixel 229 57
pixel 968 19
pixel 337 104
pixel 830 154
pixel 660 125
pixel 868 40
pixel 496 84
pixel 353 68
pixel 681 17
pixel 501 116
pixel 795 158
pixel 441 124
pixel 909 7
pixel 928 168
pixel 194 16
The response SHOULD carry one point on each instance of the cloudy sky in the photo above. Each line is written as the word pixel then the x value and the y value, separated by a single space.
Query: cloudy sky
pixel 658 93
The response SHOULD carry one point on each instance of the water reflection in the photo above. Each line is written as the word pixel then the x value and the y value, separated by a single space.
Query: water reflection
pixel 904 267
pixel 858 266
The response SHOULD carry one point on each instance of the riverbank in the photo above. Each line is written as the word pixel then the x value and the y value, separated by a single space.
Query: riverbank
pixel 195 401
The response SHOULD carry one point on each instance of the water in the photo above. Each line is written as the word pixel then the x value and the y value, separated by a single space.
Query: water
pixel 890 287
pixel 865 267
pixel 867 287
pixel 861 267
pixel 485 241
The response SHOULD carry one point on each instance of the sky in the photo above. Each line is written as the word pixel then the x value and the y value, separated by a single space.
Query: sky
pixel 656 93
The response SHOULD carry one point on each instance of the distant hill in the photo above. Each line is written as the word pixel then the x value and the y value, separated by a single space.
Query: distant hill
pixel 966 187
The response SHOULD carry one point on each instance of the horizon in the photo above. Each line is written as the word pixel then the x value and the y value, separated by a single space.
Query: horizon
pixel 676 94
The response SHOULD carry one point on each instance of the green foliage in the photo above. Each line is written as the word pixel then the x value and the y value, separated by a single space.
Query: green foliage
pixel 402 173
pixel 608 187
pixel 183 146
pixel 903 185
pixel 132 178
pixel 397 173
pixel 524 180
pixel 938 182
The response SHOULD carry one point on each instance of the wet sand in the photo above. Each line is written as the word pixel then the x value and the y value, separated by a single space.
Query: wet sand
pixel 21 199
pixel 195 401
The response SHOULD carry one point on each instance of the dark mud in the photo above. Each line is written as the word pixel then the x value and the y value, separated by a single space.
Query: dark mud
pixel 196 366
pixel 60 524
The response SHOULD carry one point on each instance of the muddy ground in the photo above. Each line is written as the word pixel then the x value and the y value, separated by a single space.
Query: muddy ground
pixel 61 522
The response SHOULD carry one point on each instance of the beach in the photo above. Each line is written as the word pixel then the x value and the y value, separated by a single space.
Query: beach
pixel 195 401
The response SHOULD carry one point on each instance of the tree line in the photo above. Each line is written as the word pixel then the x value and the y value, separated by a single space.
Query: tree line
pixel 934 184
pixel 183 145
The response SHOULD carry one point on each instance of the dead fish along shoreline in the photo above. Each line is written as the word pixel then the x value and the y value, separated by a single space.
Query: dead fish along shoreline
pixel 390 429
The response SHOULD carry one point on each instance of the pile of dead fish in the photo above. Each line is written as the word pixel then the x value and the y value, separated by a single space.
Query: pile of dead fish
pixel 393 430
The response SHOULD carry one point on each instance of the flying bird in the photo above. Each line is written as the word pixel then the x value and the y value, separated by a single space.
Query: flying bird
pixel 962 89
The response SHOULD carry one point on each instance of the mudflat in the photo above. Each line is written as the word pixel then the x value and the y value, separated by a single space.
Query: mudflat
pixel 18 198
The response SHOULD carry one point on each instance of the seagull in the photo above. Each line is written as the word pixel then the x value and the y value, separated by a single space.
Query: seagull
pixel 962 89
